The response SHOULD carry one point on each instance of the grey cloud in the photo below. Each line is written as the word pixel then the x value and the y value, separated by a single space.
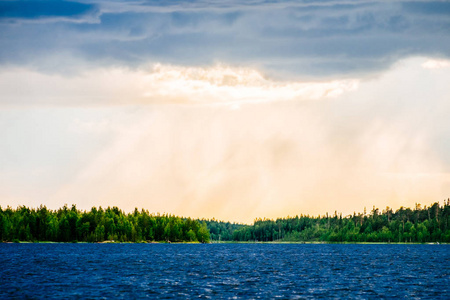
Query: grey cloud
pixel 428 8
pixel 304 39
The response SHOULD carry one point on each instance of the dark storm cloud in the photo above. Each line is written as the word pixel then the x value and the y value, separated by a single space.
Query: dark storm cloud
pixel 300 38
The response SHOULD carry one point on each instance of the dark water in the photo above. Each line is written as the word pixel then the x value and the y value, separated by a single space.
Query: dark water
pixel 242 271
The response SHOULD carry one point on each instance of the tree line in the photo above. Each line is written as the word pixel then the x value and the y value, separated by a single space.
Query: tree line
pixel 97 225
pixel 420 225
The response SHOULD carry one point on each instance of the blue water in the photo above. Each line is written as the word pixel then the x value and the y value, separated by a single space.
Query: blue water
pixel 242 271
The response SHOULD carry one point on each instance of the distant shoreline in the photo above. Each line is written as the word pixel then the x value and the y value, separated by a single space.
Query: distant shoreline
pixel 421 225
pixel 232 242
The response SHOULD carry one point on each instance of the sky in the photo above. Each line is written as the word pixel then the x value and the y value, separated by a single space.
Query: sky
pixel 225 109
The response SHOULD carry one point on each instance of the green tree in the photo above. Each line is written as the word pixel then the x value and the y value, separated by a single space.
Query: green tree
pixel 203 234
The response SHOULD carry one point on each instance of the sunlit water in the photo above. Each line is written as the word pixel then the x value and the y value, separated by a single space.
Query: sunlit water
pixel 242 271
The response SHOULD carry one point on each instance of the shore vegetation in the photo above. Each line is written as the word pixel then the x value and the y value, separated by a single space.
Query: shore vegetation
pixel 97 225
pixel 427 224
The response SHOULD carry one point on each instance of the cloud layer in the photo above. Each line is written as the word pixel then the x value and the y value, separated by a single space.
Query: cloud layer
pixel 285 38
pixel 225 109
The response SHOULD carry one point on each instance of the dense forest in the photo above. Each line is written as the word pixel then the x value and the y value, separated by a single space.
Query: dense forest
pixel 222 231
pixel 421 224
pixel 98 225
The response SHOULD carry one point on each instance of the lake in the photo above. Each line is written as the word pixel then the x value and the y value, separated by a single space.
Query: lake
pixel 242 271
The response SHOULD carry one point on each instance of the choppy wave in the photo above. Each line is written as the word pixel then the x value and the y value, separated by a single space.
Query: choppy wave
pixel 286 271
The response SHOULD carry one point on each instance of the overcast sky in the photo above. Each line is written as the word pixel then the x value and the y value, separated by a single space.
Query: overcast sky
pixel 225 109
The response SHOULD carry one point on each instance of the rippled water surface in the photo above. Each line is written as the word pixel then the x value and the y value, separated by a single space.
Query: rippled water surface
pixel 242 271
